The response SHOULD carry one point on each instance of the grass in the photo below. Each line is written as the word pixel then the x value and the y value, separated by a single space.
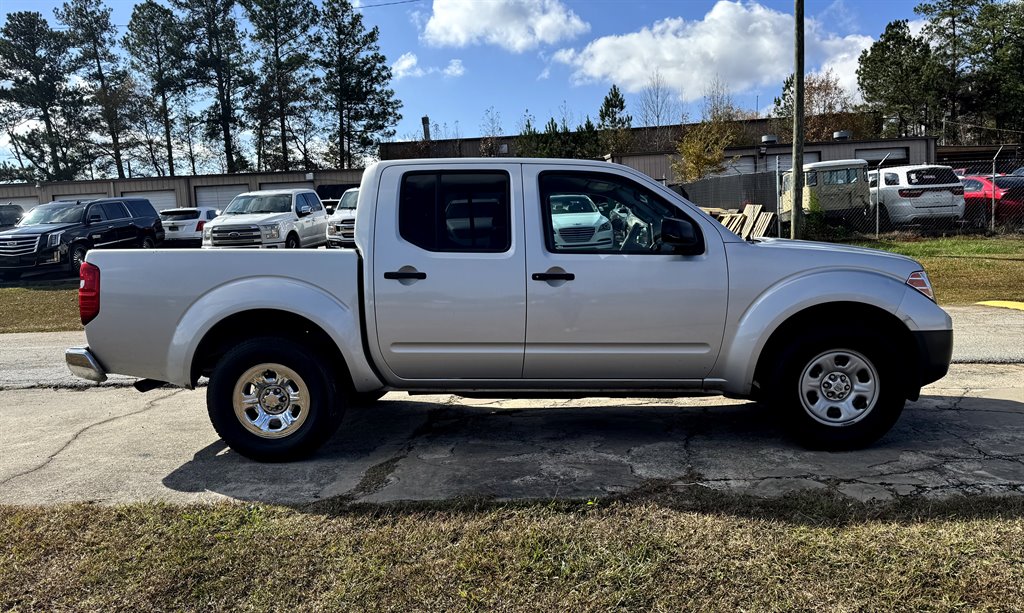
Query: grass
pixel 665 551
pixel 966 270
pixel 40 307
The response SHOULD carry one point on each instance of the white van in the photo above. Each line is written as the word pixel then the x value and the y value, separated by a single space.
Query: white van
pixel 278 218
pixel 914 194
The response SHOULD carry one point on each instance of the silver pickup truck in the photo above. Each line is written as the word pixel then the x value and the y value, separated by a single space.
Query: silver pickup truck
pixel 487 277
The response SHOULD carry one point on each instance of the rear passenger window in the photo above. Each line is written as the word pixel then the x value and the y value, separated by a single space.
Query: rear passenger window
pixel 892 178
pixel 456 211
pixel 115 210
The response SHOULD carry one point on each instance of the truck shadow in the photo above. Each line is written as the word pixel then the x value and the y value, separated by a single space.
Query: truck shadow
pixel 407 449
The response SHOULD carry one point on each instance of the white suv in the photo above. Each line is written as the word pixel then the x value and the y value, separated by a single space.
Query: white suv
pixel 913 194
pixel 288 218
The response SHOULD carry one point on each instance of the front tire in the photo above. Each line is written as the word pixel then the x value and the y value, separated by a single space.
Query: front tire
pixel 838 390
pixel 271 400
pixel 292 242
pixel 77 257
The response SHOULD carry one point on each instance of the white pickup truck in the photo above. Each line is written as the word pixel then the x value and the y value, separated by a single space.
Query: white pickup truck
pixel 460 284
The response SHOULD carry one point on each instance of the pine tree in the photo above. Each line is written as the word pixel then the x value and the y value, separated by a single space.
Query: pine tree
pixel 90 30
pixel 35 62
pixel 218 61
pixel 361 107
pixel 155 44
pixel 614 123
pixel 282 29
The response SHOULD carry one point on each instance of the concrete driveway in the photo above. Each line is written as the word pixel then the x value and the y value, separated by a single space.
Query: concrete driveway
pixel 63 441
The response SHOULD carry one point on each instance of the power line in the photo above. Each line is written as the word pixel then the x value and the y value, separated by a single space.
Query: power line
pixel 971 125
pixel 373 6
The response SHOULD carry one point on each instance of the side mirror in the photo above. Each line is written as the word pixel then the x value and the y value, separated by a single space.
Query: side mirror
pixel 304 210
pixel 684 236
pixel 94 219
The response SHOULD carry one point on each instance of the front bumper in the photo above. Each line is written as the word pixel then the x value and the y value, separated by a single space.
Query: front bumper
pixel 47 259
pixel 934 351
pixel 82 363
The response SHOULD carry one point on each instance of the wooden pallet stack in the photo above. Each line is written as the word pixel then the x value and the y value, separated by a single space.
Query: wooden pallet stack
pixel 751 222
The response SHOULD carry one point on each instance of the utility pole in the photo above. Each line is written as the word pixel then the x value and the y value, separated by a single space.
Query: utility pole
pixel 797 210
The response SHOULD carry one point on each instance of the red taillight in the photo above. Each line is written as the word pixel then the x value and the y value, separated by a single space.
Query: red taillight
pixel 88 292
pixel 199 226
pixel 919 281
pixel 910 193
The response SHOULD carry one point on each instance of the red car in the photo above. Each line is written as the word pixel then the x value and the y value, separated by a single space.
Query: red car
pixel 1009 197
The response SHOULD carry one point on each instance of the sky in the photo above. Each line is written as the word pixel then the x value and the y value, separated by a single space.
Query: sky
pixel 454 59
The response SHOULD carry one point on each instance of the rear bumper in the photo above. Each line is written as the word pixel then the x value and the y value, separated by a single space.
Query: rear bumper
pixel 934 351
pixel 82 363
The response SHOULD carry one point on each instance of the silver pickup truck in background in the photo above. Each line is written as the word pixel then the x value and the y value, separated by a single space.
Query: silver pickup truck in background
pixel 477 277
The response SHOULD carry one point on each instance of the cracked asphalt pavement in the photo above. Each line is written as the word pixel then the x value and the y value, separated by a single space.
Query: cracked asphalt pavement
pixel 61 441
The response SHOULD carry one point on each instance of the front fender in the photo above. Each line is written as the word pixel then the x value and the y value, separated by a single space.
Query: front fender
pixel 779 302
pixel 338 320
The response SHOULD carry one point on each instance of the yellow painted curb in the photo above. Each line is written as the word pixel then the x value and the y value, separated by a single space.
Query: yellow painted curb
pixel 1004 304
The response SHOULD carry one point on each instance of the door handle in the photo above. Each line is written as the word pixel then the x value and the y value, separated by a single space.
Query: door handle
pixel 553 276
pixel 399 275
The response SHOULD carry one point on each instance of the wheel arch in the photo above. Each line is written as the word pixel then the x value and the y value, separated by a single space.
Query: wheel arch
pixel 236 327
pixel 888 325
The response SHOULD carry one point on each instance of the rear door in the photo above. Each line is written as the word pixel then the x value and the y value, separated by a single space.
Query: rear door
pixel 121 221
pixel 101 231
pixel 624 311
pixel 449 272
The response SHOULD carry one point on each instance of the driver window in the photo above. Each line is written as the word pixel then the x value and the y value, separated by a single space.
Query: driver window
pixel 96 210
pixel 590 212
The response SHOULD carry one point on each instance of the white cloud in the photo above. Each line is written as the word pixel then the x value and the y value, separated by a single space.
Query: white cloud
pixel 916 26
pixel 545 74
pixel 454 69
pixel 514 25
pixel 407 65
pixel 745 45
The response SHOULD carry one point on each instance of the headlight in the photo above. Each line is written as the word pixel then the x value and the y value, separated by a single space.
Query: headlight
pixel 54 239
pixel 271 232
pixel 332 229
pixel 605 226
pixel 207 233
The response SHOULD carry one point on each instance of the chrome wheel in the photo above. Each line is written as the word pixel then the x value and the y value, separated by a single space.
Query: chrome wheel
pixel 77 257
pixel 148 243
pixel 271 400
pixel 839 387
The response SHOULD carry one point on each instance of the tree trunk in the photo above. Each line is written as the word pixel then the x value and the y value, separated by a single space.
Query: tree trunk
pixel 166 117
pixel 109 112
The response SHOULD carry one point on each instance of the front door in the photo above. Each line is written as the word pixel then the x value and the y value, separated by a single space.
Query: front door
pixel 102 233
pixel 605 299
pixel 449 272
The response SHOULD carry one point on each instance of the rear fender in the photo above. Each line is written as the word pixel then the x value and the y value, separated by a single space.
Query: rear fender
pixel 338 320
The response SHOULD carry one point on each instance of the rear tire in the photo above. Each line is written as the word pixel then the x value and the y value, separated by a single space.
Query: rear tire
pixel 271 400
pixel 838 390
pixel 148 242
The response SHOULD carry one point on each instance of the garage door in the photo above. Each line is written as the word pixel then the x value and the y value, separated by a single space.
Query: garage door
pixel 218 196
pixel 162 199
pixel 296 185
pixel 73 197
pixel 27 203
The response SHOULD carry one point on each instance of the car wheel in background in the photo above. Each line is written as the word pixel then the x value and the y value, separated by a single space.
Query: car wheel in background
pixel 77 257
pixel 292 242
pixel 271 400
pixel 148 242
pixel 840 389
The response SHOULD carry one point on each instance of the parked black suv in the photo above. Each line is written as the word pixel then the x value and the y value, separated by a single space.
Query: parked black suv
pixel 57 235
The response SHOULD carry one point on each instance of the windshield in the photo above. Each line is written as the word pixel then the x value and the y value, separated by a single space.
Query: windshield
pixel 348 200
pixel 561 205
pixel 53 213
pixel 277 203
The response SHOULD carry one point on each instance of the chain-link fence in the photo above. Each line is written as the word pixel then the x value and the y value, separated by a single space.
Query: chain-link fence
pixel 845 199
